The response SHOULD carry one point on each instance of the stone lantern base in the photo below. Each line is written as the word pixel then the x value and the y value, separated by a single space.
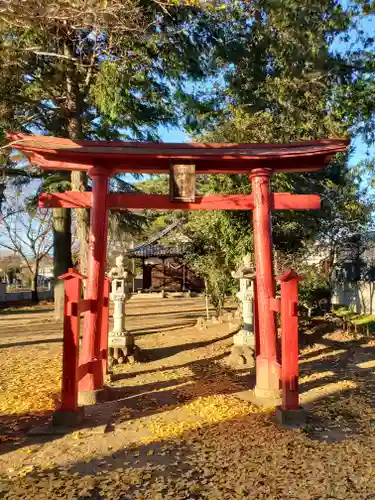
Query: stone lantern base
pixel 122 349
pixel 243 350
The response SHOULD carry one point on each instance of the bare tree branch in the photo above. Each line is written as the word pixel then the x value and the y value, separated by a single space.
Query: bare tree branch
pixel 29 234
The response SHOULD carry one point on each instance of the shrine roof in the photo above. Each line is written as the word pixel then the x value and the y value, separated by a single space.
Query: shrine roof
pixel 53 153
pixel 157 250
pixel 152 248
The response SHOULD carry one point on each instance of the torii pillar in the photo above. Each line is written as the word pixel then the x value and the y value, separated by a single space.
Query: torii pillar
pixel 267 367
pixel 91 367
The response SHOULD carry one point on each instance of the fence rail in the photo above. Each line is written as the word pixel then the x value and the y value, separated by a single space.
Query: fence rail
pixel 20 288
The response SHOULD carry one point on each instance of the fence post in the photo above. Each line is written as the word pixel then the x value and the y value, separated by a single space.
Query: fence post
pixel 290 412
pixel 69 413
pixel 105 326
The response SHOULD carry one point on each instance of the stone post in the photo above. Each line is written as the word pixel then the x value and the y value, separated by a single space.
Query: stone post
pixel 121 346
pixel 3 292
pixel 243 351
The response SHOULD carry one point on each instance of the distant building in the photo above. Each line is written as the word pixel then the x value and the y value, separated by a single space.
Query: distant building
pixel 164 266
pixel 10 268
pixel 354 277
pixel 14 271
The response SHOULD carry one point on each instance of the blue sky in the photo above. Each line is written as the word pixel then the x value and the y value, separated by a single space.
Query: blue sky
pixel 173 134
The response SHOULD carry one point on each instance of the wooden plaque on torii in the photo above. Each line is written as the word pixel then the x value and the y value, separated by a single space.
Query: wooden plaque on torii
pixel 182 183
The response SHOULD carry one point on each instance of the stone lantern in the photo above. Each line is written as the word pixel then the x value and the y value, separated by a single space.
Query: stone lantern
pixel 121 346
pixel 243 350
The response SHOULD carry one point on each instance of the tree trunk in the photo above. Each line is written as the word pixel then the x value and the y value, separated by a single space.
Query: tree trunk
pixel 78 180
pixel 34 287
pixel 62 255
pixel 74 106
pixel 331 265
pixel 372 290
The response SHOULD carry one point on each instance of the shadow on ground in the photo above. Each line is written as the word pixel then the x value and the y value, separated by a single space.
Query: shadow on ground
pixel 128 402
pixel 166 352
pixel 22 309
pixel 225 448
pixel 235 458
pixel 30 342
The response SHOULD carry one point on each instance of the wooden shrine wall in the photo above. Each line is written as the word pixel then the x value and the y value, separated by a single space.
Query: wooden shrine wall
pixel 171 277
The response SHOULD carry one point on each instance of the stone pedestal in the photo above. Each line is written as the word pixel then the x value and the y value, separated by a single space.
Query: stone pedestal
pixel 121 345
pixel 291 418
pixel 68 418
pixel 243 350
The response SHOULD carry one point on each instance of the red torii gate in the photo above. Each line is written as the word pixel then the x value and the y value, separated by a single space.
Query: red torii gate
pixel 103 159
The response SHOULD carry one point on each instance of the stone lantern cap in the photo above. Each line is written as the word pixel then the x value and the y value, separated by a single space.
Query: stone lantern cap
pixel 119 272
pixel 246 269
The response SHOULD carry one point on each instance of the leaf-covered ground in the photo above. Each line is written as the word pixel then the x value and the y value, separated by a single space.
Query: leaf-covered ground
pixel 175 427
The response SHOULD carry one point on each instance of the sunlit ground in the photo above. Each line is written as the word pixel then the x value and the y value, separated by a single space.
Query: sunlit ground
pixel 176 428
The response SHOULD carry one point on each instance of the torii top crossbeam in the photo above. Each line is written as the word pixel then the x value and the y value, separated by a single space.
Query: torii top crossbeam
pixel 53 153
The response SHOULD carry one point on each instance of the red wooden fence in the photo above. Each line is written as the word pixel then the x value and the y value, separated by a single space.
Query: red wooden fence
pixel 74 305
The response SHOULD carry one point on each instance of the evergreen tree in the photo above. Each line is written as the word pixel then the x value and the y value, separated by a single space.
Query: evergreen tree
pixel 98 70
pixel 282 86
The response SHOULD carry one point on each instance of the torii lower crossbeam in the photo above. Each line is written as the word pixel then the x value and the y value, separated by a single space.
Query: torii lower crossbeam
pixel 115 201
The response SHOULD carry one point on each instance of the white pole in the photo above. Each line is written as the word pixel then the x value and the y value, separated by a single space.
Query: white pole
pixel 133 267
pixel 206 295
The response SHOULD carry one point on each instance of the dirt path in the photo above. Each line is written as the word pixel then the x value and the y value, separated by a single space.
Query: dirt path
pixel 174 428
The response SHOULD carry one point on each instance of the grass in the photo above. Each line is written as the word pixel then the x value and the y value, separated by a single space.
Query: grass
pixel 344 312
pixel 365 320
pixel 356 319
